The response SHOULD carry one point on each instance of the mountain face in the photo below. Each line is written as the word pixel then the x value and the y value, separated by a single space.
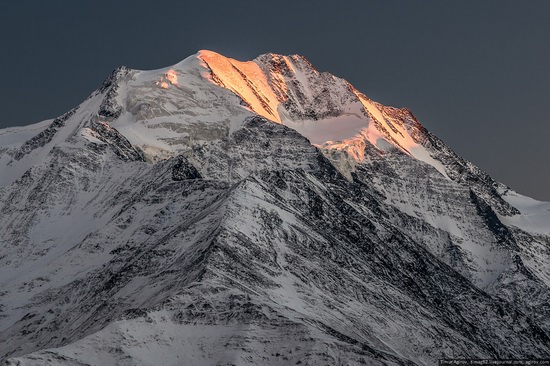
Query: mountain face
pixel 220 212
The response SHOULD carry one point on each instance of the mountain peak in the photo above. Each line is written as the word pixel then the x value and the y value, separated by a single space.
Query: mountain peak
pixel 327 110
pixel 207 96
pixel 258 212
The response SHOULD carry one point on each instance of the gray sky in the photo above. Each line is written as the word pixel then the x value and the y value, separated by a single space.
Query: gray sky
pixel 476 73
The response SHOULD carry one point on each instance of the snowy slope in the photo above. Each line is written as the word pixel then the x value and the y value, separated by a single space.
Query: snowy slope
pixel 261 212
pixel 534 215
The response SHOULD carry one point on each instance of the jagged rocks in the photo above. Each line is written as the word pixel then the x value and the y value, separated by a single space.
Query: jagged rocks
pixel 45 136
pixel 182 170
pixel 109 108
pixel 117 142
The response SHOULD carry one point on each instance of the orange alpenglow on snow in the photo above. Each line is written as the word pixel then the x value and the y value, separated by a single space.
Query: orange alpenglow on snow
pixel 247 80
pixel 162 84
pixel 172 77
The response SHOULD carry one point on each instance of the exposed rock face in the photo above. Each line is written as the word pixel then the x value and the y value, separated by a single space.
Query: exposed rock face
pixel 211 213
pixel 43 137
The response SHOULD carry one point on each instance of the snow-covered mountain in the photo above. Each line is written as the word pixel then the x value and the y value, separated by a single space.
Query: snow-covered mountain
pixel 219 212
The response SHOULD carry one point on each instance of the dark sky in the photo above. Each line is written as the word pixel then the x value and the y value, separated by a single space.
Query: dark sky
pixel 476 73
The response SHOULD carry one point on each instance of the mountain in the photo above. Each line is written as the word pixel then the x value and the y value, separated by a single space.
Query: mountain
pixel 219 212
